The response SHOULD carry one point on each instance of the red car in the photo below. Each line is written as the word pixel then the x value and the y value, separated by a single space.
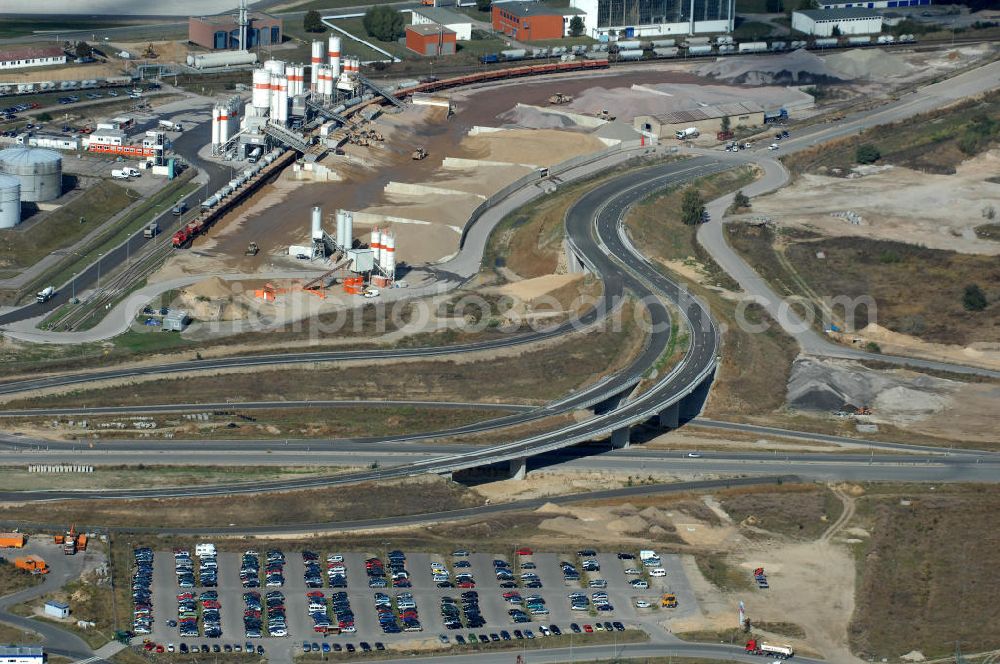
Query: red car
pixel 524 551
pixel 315 593
pixel 588 629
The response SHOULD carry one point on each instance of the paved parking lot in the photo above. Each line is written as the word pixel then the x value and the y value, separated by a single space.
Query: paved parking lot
pixel 427 595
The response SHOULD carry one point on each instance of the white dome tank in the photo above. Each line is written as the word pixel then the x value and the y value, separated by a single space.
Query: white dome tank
pixel 39 172
pixel 10 201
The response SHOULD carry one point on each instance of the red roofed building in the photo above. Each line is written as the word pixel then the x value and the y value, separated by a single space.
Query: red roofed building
pixel 31 56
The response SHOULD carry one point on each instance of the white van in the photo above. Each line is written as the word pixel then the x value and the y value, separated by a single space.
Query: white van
pixel 204 549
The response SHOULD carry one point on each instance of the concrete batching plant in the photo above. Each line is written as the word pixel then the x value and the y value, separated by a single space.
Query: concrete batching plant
pixel 38 171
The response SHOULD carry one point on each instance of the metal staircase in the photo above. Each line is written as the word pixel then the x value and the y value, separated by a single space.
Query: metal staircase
pixel 286 137
pixel 379 91
pixel 325 112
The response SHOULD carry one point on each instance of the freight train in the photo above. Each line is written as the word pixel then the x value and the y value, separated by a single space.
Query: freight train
pixel 508 72
pixel 634 49
pixel 62 86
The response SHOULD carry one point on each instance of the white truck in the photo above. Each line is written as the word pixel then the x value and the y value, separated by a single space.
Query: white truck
pixel 254 155
pixel 684 134
pixel 151 230
pixel 170 126
pixel 45 294
pixel 125 173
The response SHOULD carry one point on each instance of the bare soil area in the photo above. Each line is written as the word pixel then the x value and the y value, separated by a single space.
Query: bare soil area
pixel 897 204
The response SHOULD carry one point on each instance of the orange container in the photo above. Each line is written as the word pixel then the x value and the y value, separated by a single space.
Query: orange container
pixel 59 539
pixel 12 540
pixel 81 542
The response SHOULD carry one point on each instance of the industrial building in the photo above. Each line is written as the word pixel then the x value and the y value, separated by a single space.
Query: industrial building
pixel 176 320
pixel 460 24
pixel 849 21
pixel 223 32
pixel 31 56
pixel 431 39
pixel 648 18
pixel 707 119
pixel 22 655
pixel 38 171
pixel 532 21
pixel 877 4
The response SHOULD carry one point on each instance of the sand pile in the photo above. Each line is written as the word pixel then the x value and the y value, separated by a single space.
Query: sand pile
pixel 797 67
pixel 214 299
pixel 868 63
pixel 530 290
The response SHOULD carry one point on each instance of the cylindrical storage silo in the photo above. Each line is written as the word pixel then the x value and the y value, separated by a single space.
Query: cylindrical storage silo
pixel 333 52
pixel 349 229
pixel 261 88
pixel 223 125
pixel 276 67
pixel 389 254
pixel 215 125
pixel 376 244
pixel 341 227
pixel 282 105
pixel 39 172
pixel 10 201
pixel 317 223
pixel 315 60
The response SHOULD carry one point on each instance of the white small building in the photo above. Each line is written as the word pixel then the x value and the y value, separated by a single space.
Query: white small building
pixel 849 21
pixel 55 142
pixel 106 137
pixel 460 24
pixel 22 655
pixel 57 609
pixel 31 56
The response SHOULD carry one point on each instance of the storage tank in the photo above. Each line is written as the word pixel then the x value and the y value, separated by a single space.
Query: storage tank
pixel 315 60
pixel 753 47
pixel 261 89
pixel 630 54
pixel 628 45
pixel 276 67
pixel 388 261
pixel 514 54
pixel 222 59
pixel 376 244
pixel 348 229
pixel 10 201
pixel 669 52
pixel 699 49
pixel 39 172
pixel 826 42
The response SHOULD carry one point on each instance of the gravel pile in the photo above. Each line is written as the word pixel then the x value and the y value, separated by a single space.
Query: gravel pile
pixel 868 63
pixel 798 67
pixel 531 117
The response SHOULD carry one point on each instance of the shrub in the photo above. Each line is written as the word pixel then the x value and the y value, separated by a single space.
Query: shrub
pixel 311 22
pixel 383 23
pixel 692 207
pixel 867 154
pixel 974 298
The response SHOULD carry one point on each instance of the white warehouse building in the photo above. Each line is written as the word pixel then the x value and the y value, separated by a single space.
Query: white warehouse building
pixel 649 18
pixel 875 4
pixel 848 21
pixel 460 24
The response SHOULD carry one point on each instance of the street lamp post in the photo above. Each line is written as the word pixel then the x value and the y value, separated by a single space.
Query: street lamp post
pixel 74 285
pixel 100 257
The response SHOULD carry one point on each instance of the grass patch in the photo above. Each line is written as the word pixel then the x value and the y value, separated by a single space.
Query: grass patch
pixel 12 635
pixel 368 500
pixel 801 511
pixel 750 30
pixel 656 226
pixel 787 629
pixel 532 377
pixel 61 228
pixel 931 142
pixel 895 274
pixel 927 570
pixel 234 423
pixel 989 232
pixel 18 27
pixel 732 636
pixel 717 570
pixel 14 580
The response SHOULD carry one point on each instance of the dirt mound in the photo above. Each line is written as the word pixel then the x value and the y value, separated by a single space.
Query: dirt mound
pixel 629 524
pixel 797 67
pixel 532 117
pixel 529 290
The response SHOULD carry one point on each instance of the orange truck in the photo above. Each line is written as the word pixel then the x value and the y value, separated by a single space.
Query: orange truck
pixel 12 540
pixel 33 564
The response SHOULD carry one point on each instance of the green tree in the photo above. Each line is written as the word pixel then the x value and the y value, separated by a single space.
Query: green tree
pixel 692 207
pixel 974 298
pixel 808 4
pixel 867 154
pixel 483 5
pixel 576 26
pixel 774 6
pixel 83 50
pixel 383 23
pixel 312 22
pixel 741 200
pixel 835 32
pixel 726 124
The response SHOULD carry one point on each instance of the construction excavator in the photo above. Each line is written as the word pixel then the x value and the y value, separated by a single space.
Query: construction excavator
pixel 419 154
pixel 560 98
pixel 150 52
pixel 252 249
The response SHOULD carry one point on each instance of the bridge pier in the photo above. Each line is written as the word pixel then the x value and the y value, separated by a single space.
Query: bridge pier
pixel 573 263
pixel 518 468
pixel 611 403
pixel 515 469
pixel 692 405
pixel 670 418
pixel 620 438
